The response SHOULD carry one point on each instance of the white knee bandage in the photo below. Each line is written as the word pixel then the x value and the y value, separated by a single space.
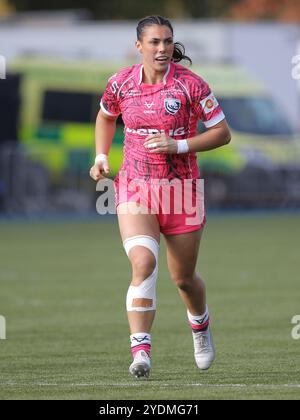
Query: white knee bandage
pixel 143 297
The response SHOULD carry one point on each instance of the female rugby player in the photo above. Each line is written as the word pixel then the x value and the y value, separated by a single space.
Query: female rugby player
pixel 160 102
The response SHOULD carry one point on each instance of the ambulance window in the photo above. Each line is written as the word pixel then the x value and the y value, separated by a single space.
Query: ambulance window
pixel 64 106
pixel 255 115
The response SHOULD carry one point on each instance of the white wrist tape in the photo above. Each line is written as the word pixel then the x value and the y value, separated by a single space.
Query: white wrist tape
pixel 101 158
pixel 182 146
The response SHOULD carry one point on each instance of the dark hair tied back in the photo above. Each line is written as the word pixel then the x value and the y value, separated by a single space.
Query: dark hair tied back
pixel 179 53
pixel 179 50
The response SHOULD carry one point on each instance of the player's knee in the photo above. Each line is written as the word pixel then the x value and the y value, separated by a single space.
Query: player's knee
pixel 183 283
pixel 142 296
pixel 143 264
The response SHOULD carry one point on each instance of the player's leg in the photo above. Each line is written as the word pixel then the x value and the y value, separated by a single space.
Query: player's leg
pixel 182 253
pixel 141 235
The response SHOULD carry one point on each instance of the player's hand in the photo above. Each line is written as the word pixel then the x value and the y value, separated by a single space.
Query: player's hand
pixel 159 143
pixel 101 167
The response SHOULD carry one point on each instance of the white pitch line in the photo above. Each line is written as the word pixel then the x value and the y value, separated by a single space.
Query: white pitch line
pixel 154 383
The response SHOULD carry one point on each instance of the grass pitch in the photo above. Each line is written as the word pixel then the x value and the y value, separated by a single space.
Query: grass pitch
pixel 63 288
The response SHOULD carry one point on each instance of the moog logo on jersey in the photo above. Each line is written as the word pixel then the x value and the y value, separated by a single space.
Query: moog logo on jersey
pixel 150 131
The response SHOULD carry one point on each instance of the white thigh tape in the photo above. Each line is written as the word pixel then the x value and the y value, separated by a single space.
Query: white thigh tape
pixel 141 240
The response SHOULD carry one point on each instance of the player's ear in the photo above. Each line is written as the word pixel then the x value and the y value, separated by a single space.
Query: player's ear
pixel 138 46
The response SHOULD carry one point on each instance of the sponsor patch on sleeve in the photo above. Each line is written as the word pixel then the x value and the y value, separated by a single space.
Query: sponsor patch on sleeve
pixel 209 104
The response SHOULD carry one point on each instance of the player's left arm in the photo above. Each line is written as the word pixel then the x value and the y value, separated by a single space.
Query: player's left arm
pixel 216 136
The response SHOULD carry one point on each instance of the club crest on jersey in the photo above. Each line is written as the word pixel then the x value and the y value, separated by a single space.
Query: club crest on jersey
pixel 172 105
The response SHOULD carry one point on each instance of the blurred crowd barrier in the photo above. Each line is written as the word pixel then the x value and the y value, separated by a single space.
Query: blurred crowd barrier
pixel 27 186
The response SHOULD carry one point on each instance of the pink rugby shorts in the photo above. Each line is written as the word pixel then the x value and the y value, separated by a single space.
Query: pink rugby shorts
pixel 178 204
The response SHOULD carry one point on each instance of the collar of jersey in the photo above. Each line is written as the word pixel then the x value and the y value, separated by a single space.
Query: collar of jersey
pixel 167 77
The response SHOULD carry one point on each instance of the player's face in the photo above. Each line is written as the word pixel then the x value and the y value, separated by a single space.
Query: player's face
pixel 157 47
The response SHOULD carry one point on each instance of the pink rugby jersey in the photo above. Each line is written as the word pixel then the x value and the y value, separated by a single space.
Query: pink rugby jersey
pixel 171 107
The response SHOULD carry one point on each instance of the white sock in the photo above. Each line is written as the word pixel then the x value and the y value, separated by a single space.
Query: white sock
pixel 140 341
pixel 199 322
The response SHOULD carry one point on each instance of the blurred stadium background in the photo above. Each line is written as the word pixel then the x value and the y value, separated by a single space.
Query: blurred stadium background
pixel 55 59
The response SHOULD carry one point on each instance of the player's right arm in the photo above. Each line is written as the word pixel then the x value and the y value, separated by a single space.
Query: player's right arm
pixel 106 127
pixel 104 134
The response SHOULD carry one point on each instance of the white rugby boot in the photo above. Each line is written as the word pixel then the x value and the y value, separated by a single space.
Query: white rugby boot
pixel 204 349
pixel 141 365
